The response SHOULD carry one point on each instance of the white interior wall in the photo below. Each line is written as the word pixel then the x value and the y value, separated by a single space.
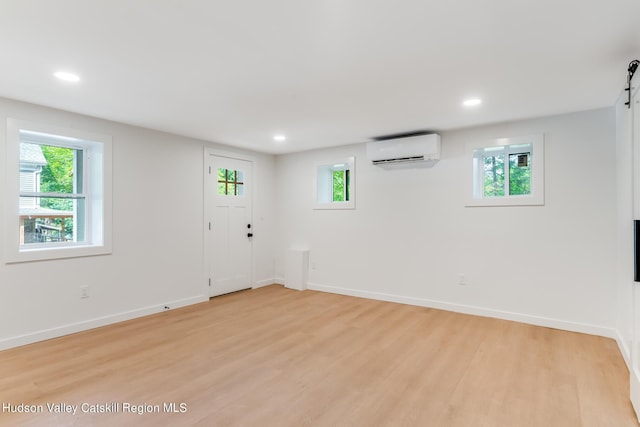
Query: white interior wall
pixel 410 235
pixel 157 255
pixel 624 227
pixel 408 239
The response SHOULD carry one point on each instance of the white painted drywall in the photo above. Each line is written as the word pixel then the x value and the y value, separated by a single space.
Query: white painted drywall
pixel 157 255
pixel 624 227
pixel 410 236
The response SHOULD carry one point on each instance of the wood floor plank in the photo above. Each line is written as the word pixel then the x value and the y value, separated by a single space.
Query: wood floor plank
pixel 278 357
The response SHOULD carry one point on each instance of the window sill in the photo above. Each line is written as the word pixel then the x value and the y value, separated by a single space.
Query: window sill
pixel 507 201
pixel 50 253
pixel 334 205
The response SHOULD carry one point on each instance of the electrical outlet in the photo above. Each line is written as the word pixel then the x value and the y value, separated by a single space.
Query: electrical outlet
pixel 461 279
pixel 84 291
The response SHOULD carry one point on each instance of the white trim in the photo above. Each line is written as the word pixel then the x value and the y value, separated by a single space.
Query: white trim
pixel 265 282
pixel 474 310
pixel 96 323
pixel 634 391
pixel 98 167
pixel 625 351
pixel 206 250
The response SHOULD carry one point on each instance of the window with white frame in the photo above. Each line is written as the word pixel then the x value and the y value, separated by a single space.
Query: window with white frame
pixel 335 184
pixel 59 193
pixel 507 171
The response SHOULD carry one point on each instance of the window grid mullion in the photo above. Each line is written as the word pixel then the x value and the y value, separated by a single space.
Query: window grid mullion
pixel 507 175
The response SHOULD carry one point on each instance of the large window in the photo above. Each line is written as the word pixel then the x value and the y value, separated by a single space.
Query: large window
pixel 59 183
pixel 335 184
pixel 507 171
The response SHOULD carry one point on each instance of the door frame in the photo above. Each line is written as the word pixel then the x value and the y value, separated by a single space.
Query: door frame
pixel 206 250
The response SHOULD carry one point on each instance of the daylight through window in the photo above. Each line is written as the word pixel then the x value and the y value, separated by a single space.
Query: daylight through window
pixel 335 185
pixel 508 172
pixel 499 179
pixel 59 184
pixel 52 201
pixel 230 182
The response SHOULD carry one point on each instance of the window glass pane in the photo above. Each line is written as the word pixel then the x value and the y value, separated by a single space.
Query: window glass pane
pixel 519 174
pixel 222 181
pixel 230 182
pixel 347 185
pixel 222 188
pixel 49 169
pixel 338 186
pixel 494 176
pixel 51 220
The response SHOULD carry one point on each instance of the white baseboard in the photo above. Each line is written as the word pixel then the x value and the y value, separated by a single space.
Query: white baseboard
pixel 634 388
pixel 474 310
pixel 624 349
pixel 95 323
pixel 267 282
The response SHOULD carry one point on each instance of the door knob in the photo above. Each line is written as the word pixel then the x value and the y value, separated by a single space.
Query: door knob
pixel 249 234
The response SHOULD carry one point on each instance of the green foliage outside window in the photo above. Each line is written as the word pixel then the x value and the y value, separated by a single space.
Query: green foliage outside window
pixel 341 185
pixel 57 177
pixel 338 186
pixel 519 175
pixel 494 176
pixel 230 182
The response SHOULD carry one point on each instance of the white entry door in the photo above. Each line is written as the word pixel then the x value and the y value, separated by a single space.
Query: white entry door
pixel 229 229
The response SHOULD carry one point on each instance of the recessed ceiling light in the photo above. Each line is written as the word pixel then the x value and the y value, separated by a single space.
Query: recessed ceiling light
pixel 472 102
pixel 67 77
pixel 279 138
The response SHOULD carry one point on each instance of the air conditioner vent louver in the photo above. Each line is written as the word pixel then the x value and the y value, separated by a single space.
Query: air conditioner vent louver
pixel 399 160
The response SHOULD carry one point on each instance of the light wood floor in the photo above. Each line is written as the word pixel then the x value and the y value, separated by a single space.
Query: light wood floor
pixel 277 357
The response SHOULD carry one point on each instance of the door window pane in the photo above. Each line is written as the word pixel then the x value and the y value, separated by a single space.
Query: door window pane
pixel 230 182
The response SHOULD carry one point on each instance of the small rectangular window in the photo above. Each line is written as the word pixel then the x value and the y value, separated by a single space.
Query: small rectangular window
pixel 507 171
pixel 334 185
pixel 230 182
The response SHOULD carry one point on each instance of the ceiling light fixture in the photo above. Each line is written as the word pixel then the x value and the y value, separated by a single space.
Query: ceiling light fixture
pixel 472 102
pixel 279 138
pixel 66 76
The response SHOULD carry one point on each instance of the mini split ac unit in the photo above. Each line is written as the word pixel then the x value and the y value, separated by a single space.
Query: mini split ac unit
pixel 406 152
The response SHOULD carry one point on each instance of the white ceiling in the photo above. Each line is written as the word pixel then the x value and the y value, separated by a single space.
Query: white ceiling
pixel 323 72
